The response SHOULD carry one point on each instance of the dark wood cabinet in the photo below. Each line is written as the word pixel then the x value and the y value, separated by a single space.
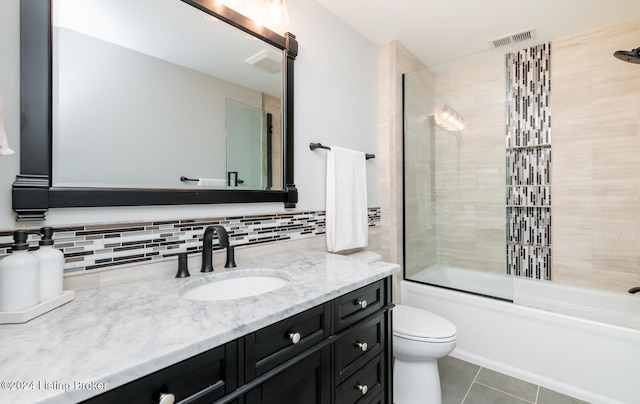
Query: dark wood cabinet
pixel 359 345
pixel 203 378
pixel 355 306
pixel 337 352
pixel 273 345
pixel 304 382
pixel 367 383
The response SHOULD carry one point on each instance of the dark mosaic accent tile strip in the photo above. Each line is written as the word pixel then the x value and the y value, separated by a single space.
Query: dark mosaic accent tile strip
pixel 529 163
pixel 112 244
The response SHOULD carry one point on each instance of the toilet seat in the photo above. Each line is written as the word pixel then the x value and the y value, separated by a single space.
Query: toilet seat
pixel 420 325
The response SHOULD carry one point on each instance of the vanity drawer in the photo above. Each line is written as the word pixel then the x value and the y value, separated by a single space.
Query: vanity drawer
pixel 358 346
pixel 360 303
pixel 364 386
pixel 273 345
pixel 201 379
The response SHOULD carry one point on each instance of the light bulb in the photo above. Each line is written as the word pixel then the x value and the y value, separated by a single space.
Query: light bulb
pixel 277 15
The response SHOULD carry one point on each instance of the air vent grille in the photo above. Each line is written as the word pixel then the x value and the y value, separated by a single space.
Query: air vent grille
pixel 513 38
pixel 501 41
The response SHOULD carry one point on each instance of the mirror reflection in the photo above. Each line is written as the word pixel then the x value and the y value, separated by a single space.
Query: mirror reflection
pixel 148 92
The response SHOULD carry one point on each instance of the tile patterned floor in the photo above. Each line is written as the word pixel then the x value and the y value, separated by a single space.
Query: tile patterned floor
pixel 466 383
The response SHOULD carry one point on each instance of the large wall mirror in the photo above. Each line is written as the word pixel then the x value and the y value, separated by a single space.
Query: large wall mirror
pixel 152 102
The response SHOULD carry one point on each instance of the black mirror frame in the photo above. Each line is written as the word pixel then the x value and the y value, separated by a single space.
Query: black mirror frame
pixel 33 193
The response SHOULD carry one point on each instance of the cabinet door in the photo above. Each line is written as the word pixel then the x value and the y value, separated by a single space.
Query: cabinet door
pixel 305 382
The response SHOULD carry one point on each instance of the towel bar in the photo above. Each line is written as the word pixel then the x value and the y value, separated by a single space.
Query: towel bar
pixel 314 146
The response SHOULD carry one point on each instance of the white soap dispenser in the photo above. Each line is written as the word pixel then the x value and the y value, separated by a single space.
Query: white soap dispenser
pixel 51 266
pixel 19 276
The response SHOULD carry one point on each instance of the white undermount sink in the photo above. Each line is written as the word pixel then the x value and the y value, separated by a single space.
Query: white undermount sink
pixel 235 285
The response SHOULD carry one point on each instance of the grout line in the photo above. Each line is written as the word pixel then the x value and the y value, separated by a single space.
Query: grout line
pixel 509 394
pixel 471 385
pixel 537 394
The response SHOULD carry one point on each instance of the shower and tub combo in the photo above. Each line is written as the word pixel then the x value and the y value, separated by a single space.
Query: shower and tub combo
pixel 554 305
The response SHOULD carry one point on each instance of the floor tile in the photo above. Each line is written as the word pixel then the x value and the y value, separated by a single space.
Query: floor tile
pixel 508 384
pixel 480 394
pixel 456 376
pixel 547 396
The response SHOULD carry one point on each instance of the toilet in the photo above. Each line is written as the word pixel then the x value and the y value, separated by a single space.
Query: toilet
pixel 420 338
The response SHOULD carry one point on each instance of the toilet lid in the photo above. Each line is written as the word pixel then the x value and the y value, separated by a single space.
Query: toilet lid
pixel 412 322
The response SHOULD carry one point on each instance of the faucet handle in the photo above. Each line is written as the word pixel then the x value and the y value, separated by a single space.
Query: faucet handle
pixel 231 257
pixel 183 270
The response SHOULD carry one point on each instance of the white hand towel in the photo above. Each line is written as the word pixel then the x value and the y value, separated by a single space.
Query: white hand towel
pixel 346 205
pixel 211 182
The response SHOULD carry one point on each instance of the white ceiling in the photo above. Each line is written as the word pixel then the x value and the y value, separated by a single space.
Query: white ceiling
pixel 174 31
pixel 444 30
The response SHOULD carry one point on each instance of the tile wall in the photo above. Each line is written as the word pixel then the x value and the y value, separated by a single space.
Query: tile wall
pixel 596 159
pixel 111 245
pixel 419 171
pixel 470 169
pixel 528 155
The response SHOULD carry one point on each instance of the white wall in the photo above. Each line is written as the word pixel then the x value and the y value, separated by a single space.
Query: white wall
pixel 335 103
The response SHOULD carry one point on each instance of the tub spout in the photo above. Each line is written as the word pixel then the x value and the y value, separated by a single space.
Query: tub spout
pixel 634 290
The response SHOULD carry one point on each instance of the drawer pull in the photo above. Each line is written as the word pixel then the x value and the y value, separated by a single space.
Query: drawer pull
pixel 362 303
pixel 363 346
pixel 294 337
pixel 167 398
pixel 363 388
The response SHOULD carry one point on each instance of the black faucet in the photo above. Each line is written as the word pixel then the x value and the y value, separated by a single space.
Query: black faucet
pixel 207 246
pixel 634 289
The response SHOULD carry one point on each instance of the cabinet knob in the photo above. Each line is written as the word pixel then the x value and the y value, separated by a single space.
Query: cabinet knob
pixel 363 346
pixel 294 337
pixel 363 388
pixel 167 398
pixel 362 303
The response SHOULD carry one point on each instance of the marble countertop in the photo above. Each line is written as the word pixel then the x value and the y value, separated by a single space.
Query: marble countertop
pixel 110 336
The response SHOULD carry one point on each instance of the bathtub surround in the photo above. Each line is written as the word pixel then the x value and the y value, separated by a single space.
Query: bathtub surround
pixel 538 334
pixel 455 181
pixel 596 126
pixel 112 245
pixel 420 172
pixel 528 142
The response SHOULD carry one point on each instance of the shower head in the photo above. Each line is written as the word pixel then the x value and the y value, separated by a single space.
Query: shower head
pixel 632 56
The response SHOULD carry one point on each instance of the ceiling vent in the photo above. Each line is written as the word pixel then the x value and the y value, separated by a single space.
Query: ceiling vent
pixel 513 38
pixel 268 60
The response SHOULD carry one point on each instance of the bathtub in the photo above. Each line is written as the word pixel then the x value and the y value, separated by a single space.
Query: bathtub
pixel 588 347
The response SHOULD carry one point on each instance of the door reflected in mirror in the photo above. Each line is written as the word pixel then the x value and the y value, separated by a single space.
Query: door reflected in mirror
pixel 148 91
pixel 250 152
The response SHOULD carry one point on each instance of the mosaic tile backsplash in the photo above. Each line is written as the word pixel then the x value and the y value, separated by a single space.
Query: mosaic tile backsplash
pixel 528 163
pixel 110 245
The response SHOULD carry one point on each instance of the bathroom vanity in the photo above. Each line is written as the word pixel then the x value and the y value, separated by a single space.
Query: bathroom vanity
pixel 324 337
